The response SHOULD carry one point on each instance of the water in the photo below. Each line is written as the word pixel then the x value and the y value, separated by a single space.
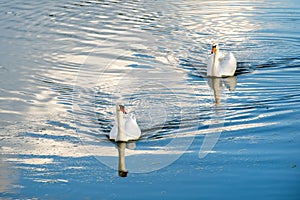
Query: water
pixel 65 64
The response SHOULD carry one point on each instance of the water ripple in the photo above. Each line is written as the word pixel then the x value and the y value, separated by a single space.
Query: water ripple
pixel 65 65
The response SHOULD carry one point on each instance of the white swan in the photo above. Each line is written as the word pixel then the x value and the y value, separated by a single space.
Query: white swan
pixel 220 64
pixel 124 129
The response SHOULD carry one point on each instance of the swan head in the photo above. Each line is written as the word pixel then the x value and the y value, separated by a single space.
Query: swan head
pixel 121 108
pixel 214 48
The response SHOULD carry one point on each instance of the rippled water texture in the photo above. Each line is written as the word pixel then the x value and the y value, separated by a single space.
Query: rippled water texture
pixel 64 65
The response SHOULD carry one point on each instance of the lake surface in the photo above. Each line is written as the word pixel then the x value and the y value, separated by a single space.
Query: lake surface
pixel 64 65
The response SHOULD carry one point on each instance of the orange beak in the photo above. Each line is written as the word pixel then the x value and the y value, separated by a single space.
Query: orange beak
pixel 213 50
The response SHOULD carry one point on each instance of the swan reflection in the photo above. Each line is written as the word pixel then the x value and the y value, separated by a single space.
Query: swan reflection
pixel 121 146
pixel 218 85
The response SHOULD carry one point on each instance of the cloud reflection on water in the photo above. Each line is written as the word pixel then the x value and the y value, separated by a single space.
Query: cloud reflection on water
pixel 156 40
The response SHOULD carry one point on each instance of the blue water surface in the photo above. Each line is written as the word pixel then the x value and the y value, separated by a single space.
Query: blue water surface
pixel 65 64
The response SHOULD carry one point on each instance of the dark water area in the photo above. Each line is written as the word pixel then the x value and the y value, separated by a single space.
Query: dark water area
pixel 64 65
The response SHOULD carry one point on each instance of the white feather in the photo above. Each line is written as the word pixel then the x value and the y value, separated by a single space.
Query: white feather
pixel 221 64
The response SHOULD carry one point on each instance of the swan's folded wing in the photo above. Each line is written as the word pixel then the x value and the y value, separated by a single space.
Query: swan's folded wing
pixel 228 64
pixel 132 129
pixel 113 132
pixel 222 56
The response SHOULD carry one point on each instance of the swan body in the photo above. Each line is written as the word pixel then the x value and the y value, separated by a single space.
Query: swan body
pixel 220 64
pixel 125 127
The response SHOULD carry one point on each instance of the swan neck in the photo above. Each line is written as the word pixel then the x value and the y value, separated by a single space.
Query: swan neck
pixel 215 66
pixel 120 120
